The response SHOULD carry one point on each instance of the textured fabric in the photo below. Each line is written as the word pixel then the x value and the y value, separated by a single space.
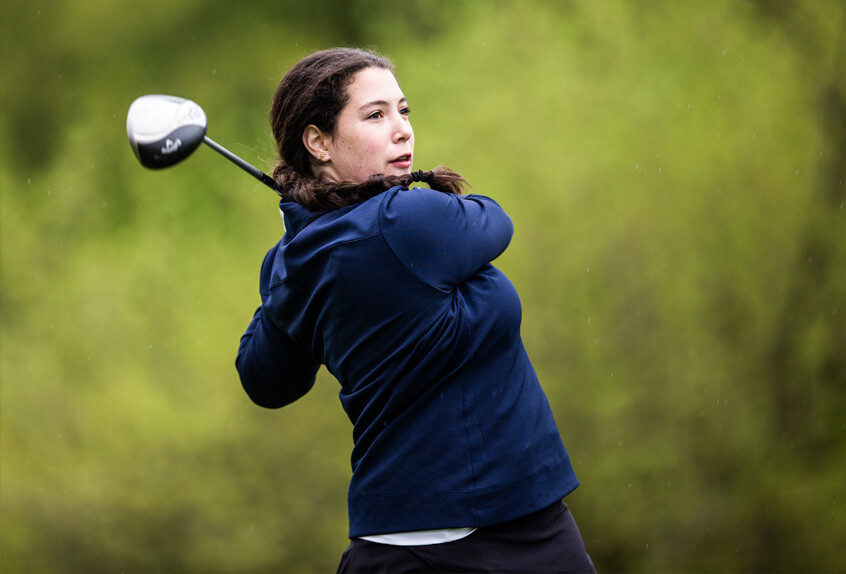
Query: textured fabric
pixel 397 297
pixel 543 542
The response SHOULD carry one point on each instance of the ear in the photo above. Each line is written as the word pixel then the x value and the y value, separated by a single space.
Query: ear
pixel 317 143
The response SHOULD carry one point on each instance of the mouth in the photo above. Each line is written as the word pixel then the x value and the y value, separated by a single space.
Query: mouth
pixel 402 161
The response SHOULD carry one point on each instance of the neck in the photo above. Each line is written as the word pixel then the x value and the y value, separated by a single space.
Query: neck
pixel 324 172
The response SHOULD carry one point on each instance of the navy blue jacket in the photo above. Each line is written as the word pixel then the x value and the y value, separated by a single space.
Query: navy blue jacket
pixel 397 297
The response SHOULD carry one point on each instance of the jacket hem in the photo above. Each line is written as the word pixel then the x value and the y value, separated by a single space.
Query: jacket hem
pixel 457 509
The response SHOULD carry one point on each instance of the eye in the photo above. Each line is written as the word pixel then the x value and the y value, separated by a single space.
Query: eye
pixel 375 115
pixel 405 111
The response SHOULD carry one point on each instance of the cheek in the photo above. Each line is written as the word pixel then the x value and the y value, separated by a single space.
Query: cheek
pixel 360 152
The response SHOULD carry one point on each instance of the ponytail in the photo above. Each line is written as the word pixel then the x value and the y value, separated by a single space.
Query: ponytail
pixel 316 195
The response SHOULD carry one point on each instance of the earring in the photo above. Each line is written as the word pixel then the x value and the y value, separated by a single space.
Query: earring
pixel 323 156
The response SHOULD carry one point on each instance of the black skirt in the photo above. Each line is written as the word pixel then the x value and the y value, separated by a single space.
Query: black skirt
pixel 545 541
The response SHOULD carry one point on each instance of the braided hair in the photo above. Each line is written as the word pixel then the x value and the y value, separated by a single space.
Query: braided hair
pixel 318 195
pixel 313 92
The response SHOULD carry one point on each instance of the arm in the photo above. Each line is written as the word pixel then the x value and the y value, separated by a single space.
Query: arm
pixel 445 238
pixel 274 369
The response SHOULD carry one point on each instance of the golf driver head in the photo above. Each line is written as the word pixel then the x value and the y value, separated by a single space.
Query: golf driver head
pixel 164 130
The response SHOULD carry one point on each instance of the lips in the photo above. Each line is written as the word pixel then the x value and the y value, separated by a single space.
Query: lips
pixel 404 160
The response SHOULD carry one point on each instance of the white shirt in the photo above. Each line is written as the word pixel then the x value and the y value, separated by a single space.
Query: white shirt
pixel 420 537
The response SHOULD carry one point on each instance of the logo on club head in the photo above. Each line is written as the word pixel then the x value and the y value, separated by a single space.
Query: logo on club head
pixel 191 113
pixel 171 146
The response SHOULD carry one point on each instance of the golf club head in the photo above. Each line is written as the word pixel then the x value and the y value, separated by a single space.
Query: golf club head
pixel 164 130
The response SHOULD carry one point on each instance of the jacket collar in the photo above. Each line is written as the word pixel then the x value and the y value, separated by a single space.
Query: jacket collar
pixel 296 217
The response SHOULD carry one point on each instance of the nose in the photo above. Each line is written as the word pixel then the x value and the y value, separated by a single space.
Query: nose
pixel 402 129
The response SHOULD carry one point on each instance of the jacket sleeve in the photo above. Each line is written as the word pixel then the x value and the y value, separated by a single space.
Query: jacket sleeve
pixel 274 369
pixel 445 238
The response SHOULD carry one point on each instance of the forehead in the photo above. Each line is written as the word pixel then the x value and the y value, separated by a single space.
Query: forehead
pixel 372 84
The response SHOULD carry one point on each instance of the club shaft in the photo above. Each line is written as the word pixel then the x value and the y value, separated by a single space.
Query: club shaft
pixel 252 170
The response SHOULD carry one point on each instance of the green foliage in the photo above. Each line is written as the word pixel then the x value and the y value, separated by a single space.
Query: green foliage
pixel 675 175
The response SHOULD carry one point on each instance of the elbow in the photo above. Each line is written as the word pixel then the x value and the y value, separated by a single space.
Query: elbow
pixel 254 386
pixel 263 394
pixel 505 232
pixel 270 392
pixel 508 230
pixel 264 400
pixel 500 228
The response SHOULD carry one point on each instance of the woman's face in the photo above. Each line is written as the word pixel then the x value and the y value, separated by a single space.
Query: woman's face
pixel 373 133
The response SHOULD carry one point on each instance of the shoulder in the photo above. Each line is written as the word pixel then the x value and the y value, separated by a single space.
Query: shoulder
pixel 419 216
pixel 429 208
pixel 417 202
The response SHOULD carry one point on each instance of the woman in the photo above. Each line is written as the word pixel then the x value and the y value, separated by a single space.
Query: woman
pixel 457 462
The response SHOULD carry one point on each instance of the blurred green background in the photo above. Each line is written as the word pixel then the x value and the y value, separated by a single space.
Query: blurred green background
pixel 675 175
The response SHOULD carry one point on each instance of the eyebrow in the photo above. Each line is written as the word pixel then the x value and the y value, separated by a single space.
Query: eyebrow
pixel 380 103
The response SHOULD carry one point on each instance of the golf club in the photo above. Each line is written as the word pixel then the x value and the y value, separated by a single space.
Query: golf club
pixel 164 130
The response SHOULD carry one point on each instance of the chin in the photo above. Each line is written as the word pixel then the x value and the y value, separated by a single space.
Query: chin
pixel 393 170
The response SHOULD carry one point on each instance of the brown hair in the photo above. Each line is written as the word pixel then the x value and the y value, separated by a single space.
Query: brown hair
pixel 314 92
